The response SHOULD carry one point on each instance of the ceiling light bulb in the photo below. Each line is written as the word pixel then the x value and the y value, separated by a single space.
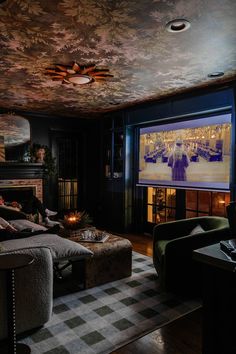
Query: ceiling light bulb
pixel 216 74
pixel 178 25
pixel 79 79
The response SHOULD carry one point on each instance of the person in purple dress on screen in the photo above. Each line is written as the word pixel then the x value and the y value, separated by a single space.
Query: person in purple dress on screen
pixel 178 161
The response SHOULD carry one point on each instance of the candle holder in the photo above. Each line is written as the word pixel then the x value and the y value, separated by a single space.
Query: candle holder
pixel 76 220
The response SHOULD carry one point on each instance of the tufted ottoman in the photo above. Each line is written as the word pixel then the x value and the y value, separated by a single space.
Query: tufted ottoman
pixel 112 260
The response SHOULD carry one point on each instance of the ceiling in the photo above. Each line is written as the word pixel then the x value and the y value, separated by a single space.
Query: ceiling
pixel 127 37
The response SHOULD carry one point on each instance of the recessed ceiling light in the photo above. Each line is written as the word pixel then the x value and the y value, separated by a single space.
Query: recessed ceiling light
pixel 114 102
pixel 178 25
pixel 216 74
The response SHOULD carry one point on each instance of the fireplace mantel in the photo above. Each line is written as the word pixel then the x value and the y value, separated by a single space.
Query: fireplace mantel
pixel 18 170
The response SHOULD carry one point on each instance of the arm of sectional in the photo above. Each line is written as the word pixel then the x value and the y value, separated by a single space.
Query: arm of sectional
pixel 61 249
pixel 34 291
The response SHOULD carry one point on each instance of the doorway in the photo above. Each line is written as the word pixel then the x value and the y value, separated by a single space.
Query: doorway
pixel 68 150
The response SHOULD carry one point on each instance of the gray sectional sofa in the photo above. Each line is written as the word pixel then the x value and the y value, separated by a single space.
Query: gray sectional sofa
pixel 34 284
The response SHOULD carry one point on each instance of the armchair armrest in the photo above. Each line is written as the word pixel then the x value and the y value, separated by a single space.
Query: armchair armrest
pixel 183 227
pixel 191 242
pixel 174 229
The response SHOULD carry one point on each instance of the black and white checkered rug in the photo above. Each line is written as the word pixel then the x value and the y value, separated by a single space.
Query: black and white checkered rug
pixel 104 318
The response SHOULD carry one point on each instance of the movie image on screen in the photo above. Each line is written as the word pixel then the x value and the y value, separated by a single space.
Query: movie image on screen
pixel 188 154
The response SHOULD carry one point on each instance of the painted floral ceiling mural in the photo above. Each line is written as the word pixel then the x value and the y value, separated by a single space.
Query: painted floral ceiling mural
pixel 128 38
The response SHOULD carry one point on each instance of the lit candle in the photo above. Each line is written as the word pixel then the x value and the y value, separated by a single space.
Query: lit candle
pixel 72 219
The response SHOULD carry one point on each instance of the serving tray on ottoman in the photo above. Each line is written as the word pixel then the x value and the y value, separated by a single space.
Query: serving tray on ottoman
pixel 111 260
pixel 85 235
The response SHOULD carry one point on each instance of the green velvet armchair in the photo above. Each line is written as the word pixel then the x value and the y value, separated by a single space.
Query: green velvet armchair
pixel 173 244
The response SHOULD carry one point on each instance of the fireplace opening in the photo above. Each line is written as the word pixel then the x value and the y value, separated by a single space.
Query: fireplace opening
pixel 19 195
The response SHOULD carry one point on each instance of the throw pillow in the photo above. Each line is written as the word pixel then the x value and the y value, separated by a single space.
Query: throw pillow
pixel 197 230
pixel 5 225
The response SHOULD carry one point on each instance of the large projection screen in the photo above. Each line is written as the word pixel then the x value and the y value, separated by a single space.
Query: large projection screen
pixel 191 154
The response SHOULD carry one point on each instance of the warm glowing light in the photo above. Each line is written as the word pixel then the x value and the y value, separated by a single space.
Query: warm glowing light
pixel 79 79
pixel 72 219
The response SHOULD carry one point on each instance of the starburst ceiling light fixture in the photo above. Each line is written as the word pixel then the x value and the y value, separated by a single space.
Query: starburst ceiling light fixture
pixel 77 74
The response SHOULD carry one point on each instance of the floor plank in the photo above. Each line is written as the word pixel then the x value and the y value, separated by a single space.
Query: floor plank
pixel 182 336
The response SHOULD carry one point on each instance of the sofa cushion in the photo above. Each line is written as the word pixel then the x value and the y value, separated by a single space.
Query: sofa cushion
pixel 10 213
pixel 61 249
pixel 23 224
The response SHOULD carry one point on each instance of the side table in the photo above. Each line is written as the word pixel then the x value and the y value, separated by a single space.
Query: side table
pixel 219 294
pixel 9 263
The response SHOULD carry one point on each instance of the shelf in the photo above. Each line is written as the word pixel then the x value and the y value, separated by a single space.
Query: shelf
pixel 18 170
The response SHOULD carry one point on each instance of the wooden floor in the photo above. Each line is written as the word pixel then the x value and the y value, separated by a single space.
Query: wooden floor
pixel 182 336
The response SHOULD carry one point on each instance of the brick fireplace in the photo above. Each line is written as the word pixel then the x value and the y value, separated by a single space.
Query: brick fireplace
pixel 17 177
pixel 20 184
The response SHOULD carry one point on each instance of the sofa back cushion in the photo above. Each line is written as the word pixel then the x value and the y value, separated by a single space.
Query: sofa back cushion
pixel 10 213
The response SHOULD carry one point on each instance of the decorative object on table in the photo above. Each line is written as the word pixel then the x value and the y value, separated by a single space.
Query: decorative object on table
pixel 40 155
pixel 92 235
pixel 27 155
pixel 2 149
pixel 76 220
pixel 74 234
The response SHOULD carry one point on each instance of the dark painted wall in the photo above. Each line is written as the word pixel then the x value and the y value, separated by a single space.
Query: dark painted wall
pixel 43 129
